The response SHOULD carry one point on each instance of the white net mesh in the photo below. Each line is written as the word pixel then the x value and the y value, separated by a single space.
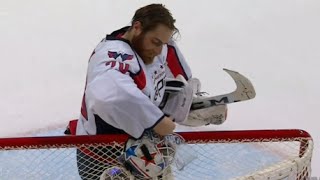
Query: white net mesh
pixel 244 155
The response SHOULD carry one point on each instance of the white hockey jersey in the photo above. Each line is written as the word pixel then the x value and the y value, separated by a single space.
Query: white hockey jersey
pixel 122 94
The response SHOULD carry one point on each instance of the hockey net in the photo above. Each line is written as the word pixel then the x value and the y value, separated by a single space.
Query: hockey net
pixel 254 154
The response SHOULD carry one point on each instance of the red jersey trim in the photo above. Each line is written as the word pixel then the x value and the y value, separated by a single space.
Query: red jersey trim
pixel 174 63
pixel 139 79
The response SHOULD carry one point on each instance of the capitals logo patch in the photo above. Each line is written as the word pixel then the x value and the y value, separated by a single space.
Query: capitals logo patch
pixel 123 56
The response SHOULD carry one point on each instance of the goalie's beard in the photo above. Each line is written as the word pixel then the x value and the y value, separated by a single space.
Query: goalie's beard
pixel 138 45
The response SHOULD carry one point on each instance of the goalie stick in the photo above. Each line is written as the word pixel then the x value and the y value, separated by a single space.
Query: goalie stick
pixel 243 92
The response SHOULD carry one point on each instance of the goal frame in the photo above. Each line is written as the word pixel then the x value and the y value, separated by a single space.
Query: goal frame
pixel 12 143
pixel 191 137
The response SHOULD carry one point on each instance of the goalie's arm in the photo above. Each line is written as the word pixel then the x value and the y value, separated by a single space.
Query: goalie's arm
pixel 117 100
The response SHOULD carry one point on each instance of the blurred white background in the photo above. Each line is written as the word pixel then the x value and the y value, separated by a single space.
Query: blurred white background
pixel 45 46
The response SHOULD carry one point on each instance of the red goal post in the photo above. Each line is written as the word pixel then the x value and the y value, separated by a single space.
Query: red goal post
pixel 245 154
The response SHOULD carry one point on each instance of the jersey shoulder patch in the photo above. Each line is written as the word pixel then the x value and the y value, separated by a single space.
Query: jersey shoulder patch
pixel 121 57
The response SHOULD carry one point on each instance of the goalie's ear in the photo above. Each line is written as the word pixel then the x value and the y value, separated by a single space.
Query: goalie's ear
pixel 136 28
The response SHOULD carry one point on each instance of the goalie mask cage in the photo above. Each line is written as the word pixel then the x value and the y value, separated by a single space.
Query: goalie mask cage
pixel 248 154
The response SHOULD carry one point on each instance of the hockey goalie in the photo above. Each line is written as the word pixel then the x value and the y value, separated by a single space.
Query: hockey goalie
pixel 139 83
pixel 143 157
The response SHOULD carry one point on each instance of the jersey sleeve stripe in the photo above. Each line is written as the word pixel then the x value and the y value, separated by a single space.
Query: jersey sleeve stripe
pixel 139 79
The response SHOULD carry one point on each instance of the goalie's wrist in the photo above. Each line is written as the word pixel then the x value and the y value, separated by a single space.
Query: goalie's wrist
pixel 170 117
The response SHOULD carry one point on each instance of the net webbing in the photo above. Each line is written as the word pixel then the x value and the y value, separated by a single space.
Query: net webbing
pixel 260 158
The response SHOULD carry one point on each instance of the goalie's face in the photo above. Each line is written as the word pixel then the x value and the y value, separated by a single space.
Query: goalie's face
pixel 149 44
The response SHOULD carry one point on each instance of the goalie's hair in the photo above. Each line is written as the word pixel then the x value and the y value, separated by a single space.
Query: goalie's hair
pixel 152 15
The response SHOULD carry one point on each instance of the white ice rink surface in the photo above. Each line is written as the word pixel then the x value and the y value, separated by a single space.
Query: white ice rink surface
pixel 45 46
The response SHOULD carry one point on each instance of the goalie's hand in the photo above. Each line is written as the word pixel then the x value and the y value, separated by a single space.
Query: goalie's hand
pixel 177 99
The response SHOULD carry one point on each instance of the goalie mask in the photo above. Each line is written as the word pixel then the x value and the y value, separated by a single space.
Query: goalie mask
pixel 148 157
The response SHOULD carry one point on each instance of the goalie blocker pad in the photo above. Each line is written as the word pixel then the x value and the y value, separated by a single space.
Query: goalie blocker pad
pixel 177 99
